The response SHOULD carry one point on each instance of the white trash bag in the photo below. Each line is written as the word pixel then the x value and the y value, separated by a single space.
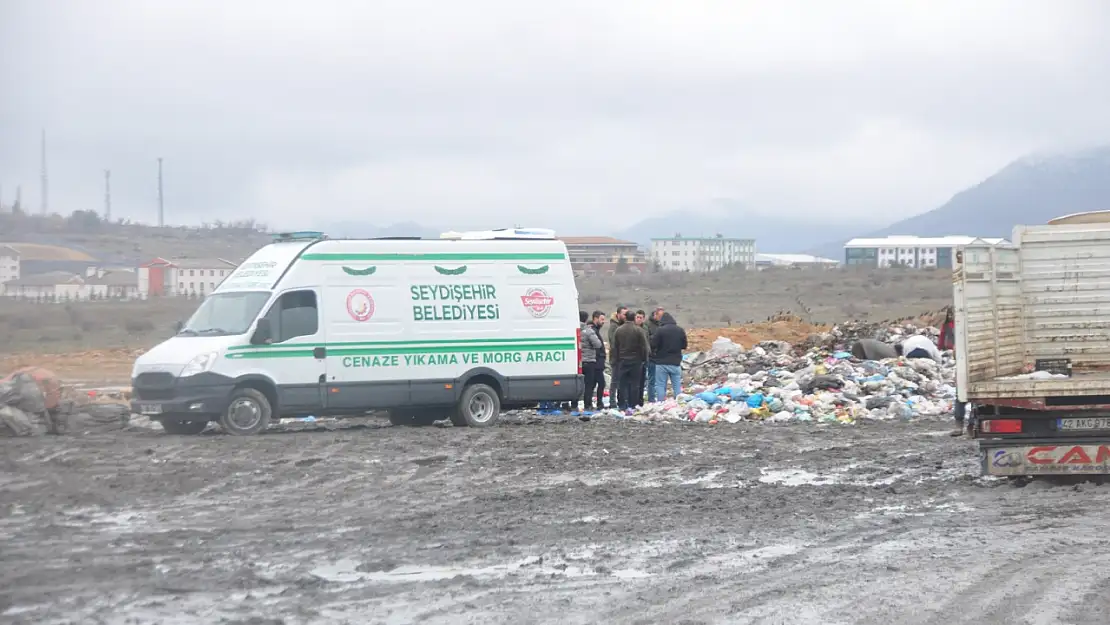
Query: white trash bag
pixel 725 347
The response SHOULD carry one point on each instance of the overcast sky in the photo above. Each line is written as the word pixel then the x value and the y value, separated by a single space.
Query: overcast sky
pixel 578 114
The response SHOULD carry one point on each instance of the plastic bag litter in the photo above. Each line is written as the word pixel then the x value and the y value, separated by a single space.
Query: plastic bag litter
pixel 724 347
pixel 815 381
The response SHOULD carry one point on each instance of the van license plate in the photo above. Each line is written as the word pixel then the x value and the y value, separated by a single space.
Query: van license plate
pixel 1094 423
pixel 150 408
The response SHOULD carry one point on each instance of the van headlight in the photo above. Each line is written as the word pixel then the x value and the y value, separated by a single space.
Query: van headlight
pixel 200 364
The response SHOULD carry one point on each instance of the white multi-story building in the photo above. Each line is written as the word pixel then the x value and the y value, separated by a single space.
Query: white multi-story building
pixel 9 264
pixel 909 251
pixel 186 276
pixel 680 253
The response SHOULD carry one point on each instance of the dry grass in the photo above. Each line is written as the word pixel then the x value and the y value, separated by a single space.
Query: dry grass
pixel 815 297
pixel 57 328
pixel 818 296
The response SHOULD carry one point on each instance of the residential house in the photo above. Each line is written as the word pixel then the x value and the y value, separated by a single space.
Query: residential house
pixel 910 251
pixel 9 263
pixel 186 276
pixel 49 286
pixel 604 255
pixel 701 254
pixel 117 284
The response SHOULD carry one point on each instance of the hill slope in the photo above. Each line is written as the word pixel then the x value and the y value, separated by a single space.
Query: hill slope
pixel 1030 190
pixel 772 234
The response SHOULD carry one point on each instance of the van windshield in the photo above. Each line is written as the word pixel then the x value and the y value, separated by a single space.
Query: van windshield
pixel 225 314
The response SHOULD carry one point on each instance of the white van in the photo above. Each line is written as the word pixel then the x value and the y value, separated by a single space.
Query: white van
pixel 426 329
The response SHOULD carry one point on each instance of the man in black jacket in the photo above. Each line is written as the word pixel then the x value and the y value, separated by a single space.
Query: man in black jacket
pixel 667 345
pixel 629 352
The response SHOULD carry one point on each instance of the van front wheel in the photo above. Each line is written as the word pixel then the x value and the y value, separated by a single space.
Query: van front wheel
pixel 247 413
pixel 478 407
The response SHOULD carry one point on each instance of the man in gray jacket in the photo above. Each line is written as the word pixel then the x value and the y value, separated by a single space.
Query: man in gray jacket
pixel 593 372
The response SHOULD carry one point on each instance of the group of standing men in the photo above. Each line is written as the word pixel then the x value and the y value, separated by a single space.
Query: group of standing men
pixel 644 353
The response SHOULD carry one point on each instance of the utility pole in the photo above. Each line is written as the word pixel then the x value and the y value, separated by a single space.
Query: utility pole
pixel 161 205
pixel 45 202
pixel 108 195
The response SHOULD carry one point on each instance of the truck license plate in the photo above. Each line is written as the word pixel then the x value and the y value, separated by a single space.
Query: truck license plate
pixel 150 408
pixel 1093 423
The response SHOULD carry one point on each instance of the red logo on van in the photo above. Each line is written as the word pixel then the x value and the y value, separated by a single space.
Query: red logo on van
pixel 537 302
pixel 360 305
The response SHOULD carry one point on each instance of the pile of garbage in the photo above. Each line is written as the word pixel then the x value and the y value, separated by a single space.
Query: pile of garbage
pixel 817 381
pixel 33 401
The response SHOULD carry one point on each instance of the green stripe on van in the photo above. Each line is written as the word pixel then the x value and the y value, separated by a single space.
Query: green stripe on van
pixel 533 339
pixel 435 257
pixel 389 351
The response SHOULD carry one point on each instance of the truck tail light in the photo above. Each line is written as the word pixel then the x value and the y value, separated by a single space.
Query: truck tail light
pixel 1001 426
pixel 578 335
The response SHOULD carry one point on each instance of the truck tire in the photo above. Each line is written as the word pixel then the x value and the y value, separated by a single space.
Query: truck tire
pixel 183 428
pixel 479 407
pixel 416 417
pixel 247 413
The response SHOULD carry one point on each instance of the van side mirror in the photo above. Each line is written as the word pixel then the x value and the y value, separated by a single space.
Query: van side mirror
pixel 262 332
pixel 178 327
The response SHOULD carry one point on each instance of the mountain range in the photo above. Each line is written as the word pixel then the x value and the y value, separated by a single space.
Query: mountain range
pixel 1030 190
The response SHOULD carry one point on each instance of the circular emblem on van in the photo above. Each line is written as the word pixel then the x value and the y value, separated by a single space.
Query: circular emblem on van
pixel 360 305
pixel 537 302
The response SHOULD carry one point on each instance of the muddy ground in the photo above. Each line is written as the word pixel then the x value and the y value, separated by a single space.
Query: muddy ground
pixel 542 521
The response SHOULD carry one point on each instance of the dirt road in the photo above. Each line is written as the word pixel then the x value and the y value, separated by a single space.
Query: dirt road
pixel 542 522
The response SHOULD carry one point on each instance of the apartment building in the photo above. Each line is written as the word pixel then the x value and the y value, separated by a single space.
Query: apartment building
pixel 910 251
pixel 604 255
pixel 699 254
pixel 186 276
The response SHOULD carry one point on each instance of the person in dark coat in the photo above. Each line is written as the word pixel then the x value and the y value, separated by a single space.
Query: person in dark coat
pixel 667 345
pixel 946 341
pixel 641 322
pixel 630 350
pixel 615 322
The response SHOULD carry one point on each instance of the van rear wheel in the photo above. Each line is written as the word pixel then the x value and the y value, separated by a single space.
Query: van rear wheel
pixel 479 407
pixel 247 413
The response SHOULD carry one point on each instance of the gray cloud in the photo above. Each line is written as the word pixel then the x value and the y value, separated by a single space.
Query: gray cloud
pixel 490 111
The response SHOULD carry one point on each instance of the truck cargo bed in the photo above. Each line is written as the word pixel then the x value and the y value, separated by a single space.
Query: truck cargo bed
pixel 1093 383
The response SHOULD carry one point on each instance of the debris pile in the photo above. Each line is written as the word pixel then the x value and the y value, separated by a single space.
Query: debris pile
pixel 33 401
pixel 816 380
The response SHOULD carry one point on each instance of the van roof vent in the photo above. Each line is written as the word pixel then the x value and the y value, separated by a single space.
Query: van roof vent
pixel 543 234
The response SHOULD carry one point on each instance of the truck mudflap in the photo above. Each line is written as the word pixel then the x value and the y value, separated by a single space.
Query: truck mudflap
pixel 1030 457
